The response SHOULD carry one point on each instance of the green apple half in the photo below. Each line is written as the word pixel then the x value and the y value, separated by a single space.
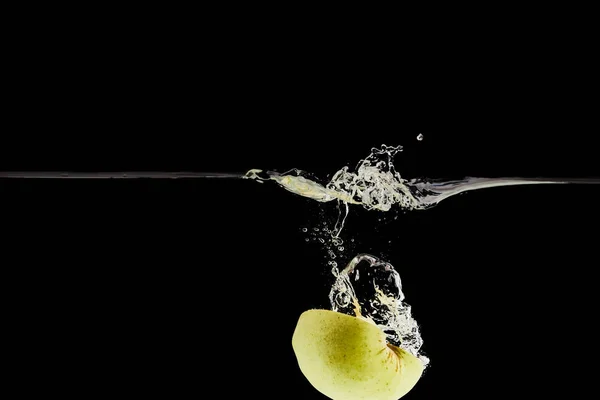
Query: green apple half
pixel 348 358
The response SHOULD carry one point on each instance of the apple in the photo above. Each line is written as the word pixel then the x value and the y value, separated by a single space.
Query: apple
pixel 348 358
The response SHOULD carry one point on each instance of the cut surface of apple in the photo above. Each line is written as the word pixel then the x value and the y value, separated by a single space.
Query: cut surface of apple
pixel 348 358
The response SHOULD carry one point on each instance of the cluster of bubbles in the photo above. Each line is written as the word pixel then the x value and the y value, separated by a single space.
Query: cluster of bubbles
pixel 335 248
pixel 370 288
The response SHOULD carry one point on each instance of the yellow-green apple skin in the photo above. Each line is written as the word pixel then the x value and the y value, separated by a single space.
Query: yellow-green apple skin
pixel 348 358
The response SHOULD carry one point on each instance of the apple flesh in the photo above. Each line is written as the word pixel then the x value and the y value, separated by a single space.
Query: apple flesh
pixel 348 358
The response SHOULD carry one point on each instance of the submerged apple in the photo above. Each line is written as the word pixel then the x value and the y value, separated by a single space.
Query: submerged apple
pixel 348 358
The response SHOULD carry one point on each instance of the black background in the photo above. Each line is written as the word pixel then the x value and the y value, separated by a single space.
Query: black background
pixel 195 286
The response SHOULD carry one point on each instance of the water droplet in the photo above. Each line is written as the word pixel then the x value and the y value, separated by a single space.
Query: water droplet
pixel 316 229
pixel 307 239
pixel 420 137
pixel 341 248
pixel 304 230
pixel 333 263
pixel 321 240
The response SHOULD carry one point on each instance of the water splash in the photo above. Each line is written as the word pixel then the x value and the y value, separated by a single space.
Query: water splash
pixel 298 182
pixel 376 185
pixel 371 289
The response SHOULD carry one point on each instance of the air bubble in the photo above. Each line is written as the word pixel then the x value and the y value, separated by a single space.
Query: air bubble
pixel 337 241
pixel 420 137
pixel 342 299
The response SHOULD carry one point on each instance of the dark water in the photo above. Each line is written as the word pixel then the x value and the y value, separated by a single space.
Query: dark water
pixel 177 283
